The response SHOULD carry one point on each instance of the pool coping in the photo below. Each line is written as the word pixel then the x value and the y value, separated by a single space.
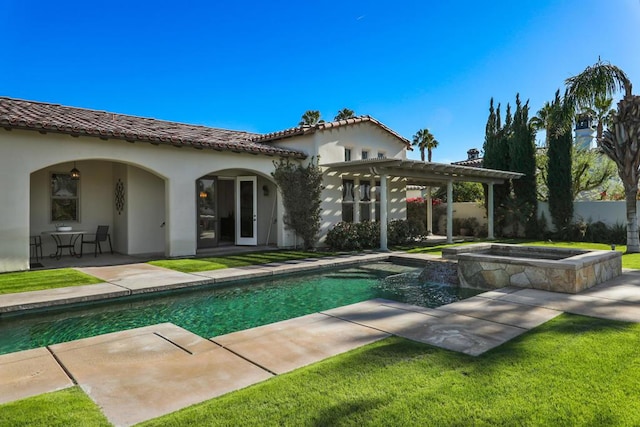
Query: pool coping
pixel 134 279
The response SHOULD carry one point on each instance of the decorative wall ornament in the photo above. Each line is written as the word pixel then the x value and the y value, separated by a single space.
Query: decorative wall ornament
pixel 119 196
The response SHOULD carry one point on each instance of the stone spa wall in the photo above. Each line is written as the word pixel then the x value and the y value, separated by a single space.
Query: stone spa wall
pixel 493 265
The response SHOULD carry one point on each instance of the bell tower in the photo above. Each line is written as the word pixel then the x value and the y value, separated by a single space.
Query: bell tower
pixel 584 132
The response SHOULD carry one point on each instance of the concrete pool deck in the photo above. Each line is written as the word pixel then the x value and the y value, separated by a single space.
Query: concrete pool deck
pixel 147 372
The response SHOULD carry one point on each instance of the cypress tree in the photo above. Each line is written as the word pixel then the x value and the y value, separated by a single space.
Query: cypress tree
pixel 496 156
pixel 559 178
pixel 522 158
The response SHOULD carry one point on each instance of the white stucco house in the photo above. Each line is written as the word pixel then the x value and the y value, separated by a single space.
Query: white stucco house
pixel 176 189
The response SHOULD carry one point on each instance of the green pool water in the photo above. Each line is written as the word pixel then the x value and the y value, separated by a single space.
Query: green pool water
pixel 215 311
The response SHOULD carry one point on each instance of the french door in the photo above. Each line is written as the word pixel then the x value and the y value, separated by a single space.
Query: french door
pixel 206 196
pixel 246 211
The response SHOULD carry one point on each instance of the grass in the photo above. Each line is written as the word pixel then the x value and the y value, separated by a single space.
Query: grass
pixel 68 407
pixel 25 281
pixel 50 279
pixel 628 260
pixel 573 370
pixel 191 265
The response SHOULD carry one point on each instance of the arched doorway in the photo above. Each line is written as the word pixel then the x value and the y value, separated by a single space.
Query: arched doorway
pixel 235 207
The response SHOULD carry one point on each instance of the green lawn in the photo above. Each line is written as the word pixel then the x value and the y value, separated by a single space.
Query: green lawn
pixel 191 265
pixel 573 370
pixel 50 279
pixel 628 260
pixel 25 281
pixel 68 407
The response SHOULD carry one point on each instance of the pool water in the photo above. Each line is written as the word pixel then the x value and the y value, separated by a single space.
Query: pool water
pixel 220 310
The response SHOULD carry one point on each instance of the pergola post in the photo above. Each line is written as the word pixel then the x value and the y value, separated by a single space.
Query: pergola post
pixel 450 211
pixel 356 200
pixel 490 212
pixel 383 213
pixel 429 212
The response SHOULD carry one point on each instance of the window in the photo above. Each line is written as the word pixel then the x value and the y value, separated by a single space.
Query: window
pixel 381 155
pixel 365 201
pixel 64 198
pixel 347 200
pixel 365 154
pixel 347 154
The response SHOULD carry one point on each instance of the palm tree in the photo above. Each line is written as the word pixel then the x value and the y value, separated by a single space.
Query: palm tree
pixel 424 140
pixel 601 112
pixel 310 118
pixel 542 121
pixel 344 114
pixel 621 141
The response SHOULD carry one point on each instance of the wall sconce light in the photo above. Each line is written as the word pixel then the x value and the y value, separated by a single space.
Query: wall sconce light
pixel 203 194
pixel 265 190
pixel 75 173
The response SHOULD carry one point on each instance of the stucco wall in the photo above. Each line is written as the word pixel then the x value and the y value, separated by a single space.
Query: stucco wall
pixel 146 212
pixel 329 144
pixel 25 152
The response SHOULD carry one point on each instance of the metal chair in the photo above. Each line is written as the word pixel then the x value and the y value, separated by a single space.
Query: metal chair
pixel 101 235
pixel 35 245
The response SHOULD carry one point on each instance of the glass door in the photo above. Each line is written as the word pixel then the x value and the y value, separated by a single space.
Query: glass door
pixel 207 212
pixel 246 208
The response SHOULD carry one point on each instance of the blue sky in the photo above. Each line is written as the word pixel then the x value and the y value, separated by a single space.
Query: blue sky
pixel 257 66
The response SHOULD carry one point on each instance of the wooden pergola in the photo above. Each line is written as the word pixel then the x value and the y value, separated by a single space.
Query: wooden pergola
pixel 422 173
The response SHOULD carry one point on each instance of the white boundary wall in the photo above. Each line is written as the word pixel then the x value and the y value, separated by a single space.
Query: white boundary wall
pixel 609 212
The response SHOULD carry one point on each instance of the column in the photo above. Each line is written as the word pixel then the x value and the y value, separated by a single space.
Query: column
pixel 429 212
pixel 180 211
pixel 450 211
pixel 490 212
pixel 383 213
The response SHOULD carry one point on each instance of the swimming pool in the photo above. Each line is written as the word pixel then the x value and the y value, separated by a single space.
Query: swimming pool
pixel 216 311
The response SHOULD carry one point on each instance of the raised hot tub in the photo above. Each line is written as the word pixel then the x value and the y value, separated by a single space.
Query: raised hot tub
pixel 496 265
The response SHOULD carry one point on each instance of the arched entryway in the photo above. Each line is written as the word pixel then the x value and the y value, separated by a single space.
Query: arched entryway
pixel 235 207
pixel 128 199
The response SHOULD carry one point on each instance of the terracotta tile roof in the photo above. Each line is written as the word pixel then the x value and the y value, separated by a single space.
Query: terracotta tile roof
pixel 475 163
pixel 44 117
pixel 304 130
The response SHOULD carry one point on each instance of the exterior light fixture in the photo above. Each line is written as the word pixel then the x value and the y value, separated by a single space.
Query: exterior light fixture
pixel 75 173
pixel 203 194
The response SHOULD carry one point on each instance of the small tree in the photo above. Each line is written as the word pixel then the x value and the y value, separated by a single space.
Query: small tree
pixel 590 171
pixel 301 187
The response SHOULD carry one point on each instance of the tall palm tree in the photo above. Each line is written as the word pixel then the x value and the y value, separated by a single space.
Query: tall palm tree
pixel 424 140
pixel 344 114
pixel 310 118
pixel 621 141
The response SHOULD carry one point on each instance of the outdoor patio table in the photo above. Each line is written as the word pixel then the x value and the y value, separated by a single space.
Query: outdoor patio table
pixel 60 237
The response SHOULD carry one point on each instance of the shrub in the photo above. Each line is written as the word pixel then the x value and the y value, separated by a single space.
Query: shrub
pixel 347 236
pixel 619 234
pixel 401 231
pixel 417 210
pixel 343 237
pixel 368 233
pixel 598 232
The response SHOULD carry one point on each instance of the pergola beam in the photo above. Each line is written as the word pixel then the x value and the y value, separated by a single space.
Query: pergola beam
pixel 425 173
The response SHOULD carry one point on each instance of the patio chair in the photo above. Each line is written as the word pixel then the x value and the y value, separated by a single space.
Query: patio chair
pixel 101 235
pixel 35 244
